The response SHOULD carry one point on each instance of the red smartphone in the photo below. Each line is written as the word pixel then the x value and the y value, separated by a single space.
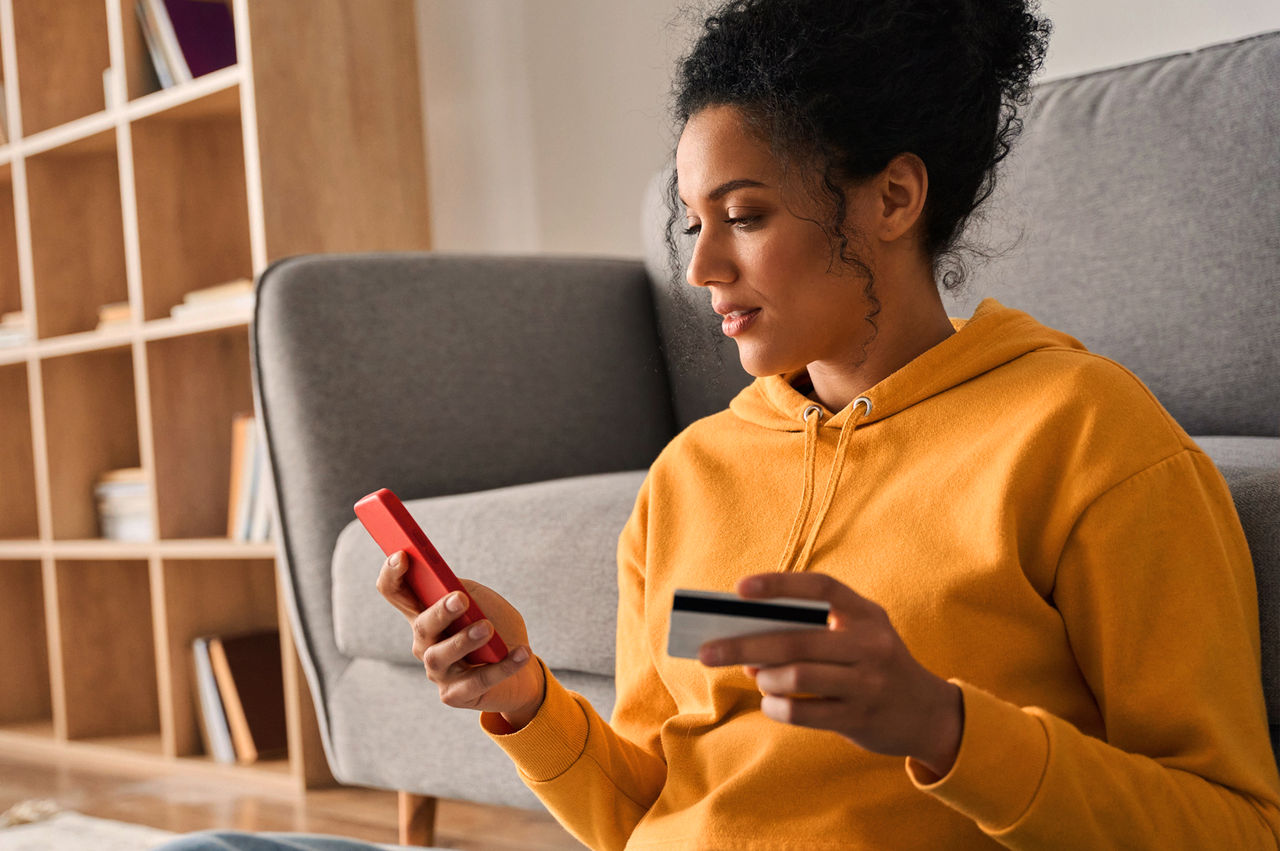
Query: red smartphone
pixel 391 525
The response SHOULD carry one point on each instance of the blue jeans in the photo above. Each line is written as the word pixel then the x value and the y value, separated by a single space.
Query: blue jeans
pixel 230 840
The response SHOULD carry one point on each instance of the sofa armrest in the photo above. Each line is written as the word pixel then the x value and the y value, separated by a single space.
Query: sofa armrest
pixel 435 374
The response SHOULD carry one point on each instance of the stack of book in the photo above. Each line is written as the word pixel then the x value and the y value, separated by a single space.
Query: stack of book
pixel 14 330
pixel 225 299
pixel 240 691
pixel 250 509
pixel 187 38
pixel 124 505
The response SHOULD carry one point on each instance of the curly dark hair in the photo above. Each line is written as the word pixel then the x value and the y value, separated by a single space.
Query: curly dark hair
pixel 837 88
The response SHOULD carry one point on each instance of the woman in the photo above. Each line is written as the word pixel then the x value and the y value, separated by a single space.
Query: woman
pixel 1043 627
pixel 1041 596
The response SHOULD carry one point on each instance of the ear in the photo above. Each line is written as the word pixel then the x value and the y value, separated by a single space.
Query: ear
pixel 902 186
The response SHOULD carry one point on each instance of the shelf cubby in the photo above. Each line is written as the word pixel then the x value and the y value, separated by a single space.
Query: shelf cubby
pixel 17 458
pixel 193 209
pixel 77 234
pixel 108 661
pixel 62 51
pixel 206 597
pixel 198 382
pixel 24 676
pixel 91 426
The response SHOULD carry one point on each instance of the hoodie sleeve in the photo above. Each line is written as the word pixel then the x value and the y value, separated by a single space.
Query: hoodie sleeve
pixel 599 779
pixel 1157 592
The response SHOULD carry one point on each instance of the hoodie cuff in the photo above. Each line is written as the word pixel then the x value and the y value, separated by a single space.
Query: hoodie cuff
pixel 1002 759
pixel 552 742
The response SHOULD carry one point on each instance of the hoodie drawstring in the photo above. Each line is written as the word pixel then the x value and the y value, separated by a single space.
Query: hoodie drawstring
pixel 810 456
pixel 790 563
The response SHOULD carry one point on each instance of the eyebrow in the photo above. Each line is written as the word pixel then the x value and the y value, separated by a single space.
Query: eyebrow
pixel 728 186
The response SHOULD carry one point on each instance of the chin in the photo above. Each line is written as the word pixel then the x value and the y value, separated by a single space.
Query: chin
pixel 761 364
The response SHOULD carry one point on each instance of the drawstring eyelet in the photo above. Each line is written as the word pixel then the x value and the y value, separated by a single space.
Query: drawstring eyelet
pixel 860 400
pixel 814 408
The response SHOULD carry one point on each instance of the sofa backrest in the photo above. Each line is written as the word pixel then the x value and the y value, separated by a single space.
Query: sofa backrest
pixel 1139 211
pixel 1142 205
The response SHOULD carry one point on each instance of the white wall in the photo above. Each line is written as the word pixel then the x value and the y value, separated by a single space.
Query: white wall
pixel 545 118
pixel 1091 34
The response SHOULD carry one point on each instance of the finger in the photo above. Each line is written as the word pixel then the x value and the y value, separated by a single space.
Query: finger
pixel 808 586
pixel 768 649
pixel 469 688
pixel 804 712
pixel 443 655
pixel 807 679
pixel 430 625
pixel 391 585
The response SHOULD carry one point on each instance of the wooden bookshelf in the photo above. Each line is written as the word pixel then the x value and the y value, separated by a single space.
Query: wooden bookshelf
pixel 116 191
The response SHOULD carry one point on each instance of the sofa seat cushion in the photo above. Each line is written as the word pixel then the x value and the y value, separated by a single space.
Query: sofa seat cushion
pixel 1256 452
pixel 550 548
pixel 1251 466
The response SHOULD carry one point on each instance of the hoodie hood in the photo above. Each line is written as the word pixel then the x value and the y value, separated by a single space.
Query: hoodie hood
pixel 995 335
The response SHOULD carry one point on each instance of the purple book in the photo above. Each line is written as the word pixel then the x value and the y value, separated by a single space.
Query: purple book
pixel 206 33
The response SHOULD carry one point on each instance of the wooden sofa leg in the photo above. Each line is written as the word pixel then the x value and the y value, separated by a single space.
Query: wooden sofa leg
pixel 417 819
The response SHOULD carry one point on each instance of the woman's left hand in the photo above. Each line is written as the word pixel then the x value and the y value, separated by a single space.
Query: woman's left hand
pixel 856 677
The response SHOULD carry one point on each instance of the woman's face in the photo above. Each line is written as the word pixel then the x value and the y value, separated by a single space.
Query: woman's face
pixel 755 252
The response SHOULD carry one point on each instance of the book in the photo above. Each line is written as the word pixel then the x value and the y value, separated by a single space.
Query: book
pixel 260 515
pixel 116 313
pixel 195 37
pixel 214 730
pixel 241 490
pixel 250 678
pixel 14 329
pixel 158 61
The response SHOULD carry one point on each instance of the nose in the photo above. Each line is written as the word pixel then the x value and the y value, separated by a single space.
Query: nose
pixel 710 262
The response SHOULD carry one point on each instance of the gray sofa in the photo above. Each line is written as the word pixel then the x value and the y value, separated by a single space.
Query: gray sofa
pixel 514 403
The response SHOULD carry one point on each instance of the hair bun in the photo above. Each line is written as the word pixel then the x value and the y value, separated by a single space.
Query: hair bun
pixel 1012 41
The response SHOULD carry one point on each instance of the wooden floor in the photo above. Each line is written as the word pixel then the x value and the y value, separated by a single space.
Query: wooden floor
pixel 182 803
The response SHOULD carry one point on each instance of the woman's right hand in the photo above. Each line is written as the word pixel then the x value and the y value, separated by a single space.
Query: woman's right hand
pixel 512 687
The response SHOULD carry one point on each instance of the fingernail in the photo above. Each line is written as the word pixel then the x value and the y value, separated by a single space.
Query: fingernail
pixel 752 586
pixel 397 560
pixel 455 603
pixel 710 654
pixel 480 630
pixel 519 654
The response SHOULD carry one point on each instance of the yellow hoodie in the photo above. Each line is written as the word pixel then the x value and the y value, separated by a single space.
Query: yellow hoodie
pixel 1040 531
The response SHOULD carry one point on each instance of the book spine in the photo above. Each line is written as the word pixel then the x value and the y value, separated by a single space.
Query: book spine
pixel 158 61
pixel 213 718
pixel 239 438
pixel 169 42
pixel 246 752
pixel 263 492
pixel 249 484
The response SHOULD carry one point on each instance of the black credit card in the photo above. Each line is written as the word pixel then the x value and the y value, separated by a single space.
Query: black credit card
pixel 701 616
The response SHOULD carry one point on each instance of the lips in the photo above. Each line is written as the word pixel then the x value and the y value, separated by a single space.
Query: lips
pixel 737 321
pixel 726 309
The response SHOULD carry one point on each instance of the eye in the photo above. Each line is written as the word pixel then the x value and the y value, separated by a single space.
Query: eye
pixel 692 230
pixel 742 222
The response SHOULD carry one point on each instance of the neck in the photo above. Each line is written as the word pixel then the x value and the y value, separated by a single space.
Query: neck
pixel 911 321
